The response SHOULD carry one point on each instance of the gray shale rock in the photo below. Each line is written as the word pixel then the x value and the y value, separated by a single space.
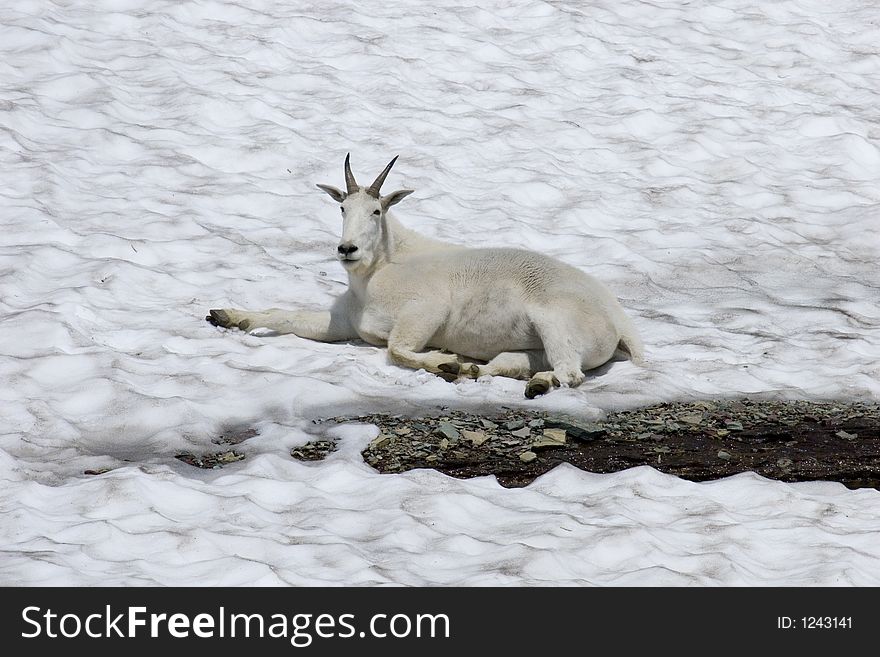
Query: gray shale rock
pixel 584 431
pixel 448 429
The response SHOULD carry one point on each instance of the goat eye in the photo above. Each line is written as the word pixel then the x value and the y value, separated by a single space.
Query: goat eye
pixel 376 212
pixel 342 210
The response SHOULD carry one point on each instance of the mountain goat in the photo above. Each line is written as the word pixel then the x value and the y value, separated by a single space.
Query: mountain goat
pixel 452 310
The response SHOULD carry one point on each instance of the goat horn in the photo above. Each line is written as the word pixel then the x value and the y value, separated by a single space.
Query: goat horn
pixel 373 189
pixel 350 183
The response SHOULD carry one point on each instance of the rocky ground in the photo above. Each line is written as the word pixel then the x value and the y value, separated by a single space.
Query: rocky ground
pixel 701 440
pixel 789 441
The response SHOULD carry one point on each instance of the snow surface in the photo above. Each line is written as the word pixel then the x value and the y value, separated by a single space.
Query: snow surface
pixel 717 164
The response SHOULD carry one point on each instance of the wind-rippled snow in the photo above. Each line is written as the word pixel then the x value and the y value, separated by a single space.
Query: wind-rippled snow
pixel 715 163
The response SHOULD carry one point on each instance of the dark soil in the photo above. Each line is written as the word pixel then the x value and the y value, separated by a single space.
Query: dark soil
pixel 789 441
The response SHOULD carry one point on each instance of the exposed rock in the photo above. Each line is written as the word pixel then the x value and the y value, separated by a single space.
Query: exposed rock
pixel 788 440
pixel 550 438
pixel 559 435
pixel 234 436
pixel 315 450
pixel 448 429
pixel 210 461
pixel 380 441
pixel 477 438
pixel 584 431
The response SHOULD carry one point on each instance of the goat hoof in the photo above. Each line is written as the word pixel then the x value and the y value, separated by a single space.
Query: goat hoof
pixel 218 318
pixel 449 377
pixel 536 388
pixel 540 386
pixel 449 368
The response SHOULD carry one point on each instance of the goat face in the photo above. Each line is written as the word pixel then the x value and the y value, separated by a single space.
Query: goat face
pixel 363 230
pixel 365 237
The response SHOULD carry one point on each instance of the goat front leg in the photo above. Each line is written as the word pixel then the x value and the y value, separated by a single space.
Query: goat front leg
pixel 413 329
pixel 324 326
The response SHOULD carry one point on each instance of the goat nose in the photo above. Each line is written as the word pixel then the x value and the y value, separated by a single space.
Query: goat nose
pixel 346 249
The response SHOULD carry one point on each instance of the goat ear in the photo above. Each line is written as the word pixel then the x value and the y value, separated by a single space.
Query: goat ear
pixel 337 194
pixel 395 197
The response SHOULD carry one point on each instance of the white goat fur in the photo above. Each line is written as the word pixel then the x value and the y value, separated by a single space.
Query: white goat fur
pixel 453 310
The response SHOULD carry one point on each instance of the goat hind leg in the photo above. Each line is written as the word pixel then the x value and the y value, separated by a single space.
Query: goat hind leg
pixel 512 364
pixel 563 349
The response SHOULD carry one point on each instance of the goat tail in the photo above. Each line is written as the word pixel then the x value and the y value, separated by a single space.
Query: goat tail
pixel 630 345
